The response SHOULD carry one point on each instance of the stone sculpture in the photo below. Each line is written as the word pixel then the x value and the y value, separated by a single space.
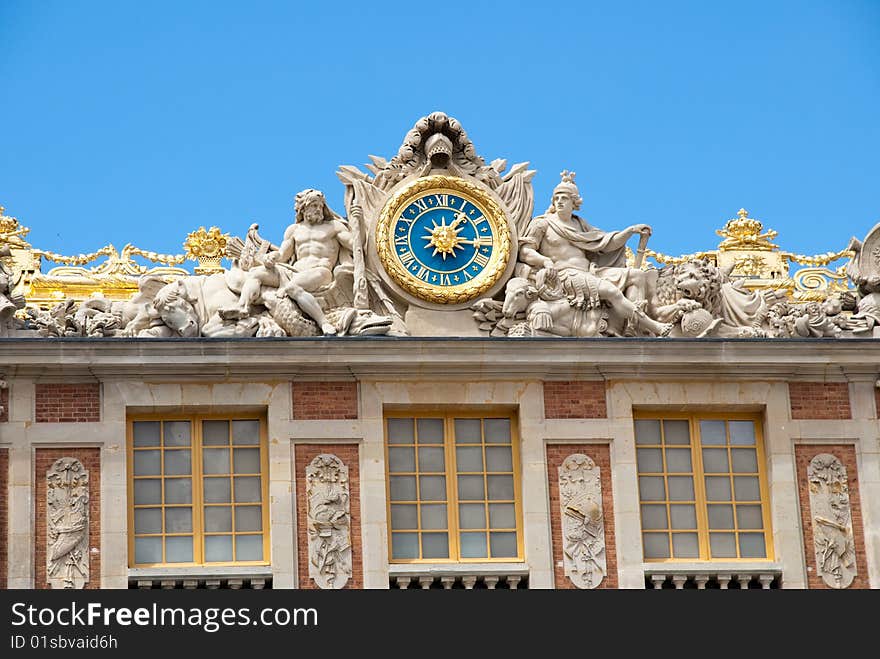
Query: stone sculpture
pixel 9 302
pixel 583 528
pixel 832 521
pixel 329 521
pixel 67 524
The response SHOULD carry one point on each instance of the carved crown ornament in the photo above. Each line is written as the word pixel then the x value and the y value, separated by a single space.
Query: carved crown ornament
pixel 435 240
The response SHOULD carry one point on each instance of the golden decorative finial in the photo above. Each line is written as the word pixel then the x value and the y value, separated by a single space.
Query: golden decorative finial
pixel 11 232
pixel 744 233
pixel 208 247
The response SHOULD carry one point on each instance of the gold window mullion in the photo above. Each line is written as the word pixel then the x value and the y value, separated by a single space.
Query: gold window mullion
pixel 198 489
pixel 701 504
pixel 452 521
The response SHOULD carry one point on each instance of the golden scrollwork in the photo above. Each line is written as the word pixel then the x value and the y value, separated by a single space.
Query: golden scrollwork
pixel 208 248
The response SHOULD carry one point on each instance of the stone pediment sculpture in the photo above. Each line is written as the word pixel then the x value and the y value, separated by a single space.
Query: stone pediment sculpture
pixel 831 515
pixel 436 242
pixel 583 527
pixel 329 521
pixel 67 524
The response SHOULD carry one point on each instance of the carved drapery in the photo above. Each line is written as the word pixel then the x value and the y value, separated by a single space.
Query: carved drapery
pixel 67 524
pixel 830 511
pixel 329 521
pixel 583 527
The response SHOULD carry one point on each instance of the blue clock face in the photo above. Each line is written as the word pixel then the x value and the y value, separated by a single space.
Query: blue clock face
pixel 443 239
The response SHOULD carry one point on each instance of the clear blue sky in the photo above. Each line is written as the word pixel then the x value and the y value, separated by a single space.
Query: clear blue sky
pixel 140 121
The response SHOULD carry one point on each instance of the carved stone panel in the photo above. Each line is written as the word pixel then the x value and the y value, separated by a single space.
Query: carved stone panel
pixel 832 521
pixel 583 528
pixel 329 521
pixel 67 524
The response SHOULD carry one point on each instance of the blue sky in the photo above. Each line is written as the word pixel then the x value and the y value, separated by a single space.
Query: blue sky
pixel 139 122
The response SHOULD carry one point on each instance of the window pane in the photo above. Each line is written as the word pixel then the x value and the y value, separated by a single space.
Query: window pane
pixel 722 545
pixel 651 488
pixel 148 520
pixel 247 489
pixel 403 488
pixel 746 488
pixel 654 517
pixel 217 490
pixel 432 488
pixel 650 461
pixel 499 458
pixel 751 545
pixel 681 488
pixel 435 545
pixel 218 548
pixel 401 459
pixel 178 462
pixel 467 431
pixel 749 517
pixel 500 487
pixel 676 432
pixel 400 431
pixel 718 488
pixel 472 515
pixel 684 516
pixel 218 519
pixel 503 545
pixel 430 431
pixel 469 458
pixel 470 488
pixel 678 460
pixel 473 545
pixel 434 516
pixel 249 548
pixel 431 459
pixel 178 490
pixel 742 433
pixel 148 550
pixel 647 431
pixel 712 432
pixel 404 545
pixel 148 491
pixel 720 517
pixel 246 460
pixel 215 433
pixel 502 516
pixel 497 431
pixel 685 545
pixel 147 463
pixel 246 431
pixel 248 518
pixel 656 545
pixel 404 516
pixel 146 433
pixel 745 460
pixel 179 549
pixel 177 433
pixel 178 520
pixel 215 461
pixel 715 460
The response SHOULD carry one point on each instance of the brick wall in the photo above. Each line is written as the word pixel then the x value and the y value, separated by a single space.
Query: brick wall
pixel 877 403
pixel 4 516
pixel 4 404
pixel 574 400
pixel 303 456
pixel 325 400
pixel 67 402
pixel 819 400
pixel 846 453
pixel 601 455
pixel 91 460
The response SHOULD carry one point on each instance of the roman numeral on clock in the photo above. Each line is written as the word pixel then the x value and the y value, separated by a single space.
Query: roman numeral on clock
pixel 401 241
pixel 481 259
pixel 442 199
pixel 406 258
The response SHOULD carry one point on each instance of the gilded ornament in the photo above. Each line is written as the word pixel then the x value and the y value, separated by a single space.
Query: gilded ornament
pixel 208 247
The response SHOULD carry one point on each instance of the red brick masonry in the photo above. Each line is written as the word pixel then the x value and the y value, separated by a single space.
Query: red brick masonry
pixel 303 456
pixel 819 400
pixel 4 515
pixel 67 402
pixel 91 460
pixel 846 453
pixel 574 400
pixel 325 400
pixel 601 455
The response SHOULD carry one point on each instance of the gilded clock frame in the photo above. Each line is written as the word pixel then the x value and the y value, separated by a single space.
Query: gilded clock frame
pixel 446 295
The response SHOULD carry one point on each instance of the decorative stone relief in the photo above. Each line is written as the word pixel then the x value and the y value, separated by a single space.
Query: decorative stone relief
pixel 329 521
pixel 67 524
pixel 583 527
pixel 832 521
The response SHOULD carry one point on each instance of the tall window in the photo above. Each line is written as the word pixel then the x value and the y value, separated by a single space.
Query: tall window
pixel 702 488
pixel 197 491
pixel 454 488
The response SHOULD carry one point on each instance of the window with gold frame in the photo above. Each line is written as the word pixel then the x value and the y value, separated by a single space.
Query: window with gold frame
pixel 702 487
pixel 453 484
pixel 197 491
